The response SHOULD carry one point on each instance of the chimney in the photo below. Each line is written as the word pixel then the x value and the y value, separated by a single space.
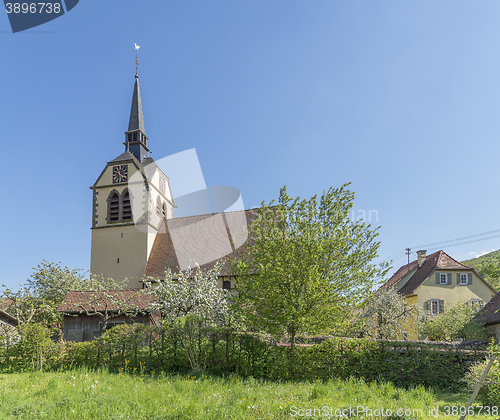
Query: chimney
pixel 421 257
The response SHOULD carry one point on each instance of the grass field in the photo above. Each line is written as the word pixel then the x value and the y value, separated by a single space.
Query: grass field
pixel 81 394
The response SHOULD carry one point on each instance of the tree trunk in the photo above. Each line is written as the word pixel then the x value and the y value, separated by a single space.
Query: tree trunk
pixel 292 351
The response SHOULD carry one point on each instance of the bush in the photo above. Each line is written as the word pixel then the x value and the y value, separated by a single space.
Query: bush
pixel 35 350
pixel 456 324
pixel 489 393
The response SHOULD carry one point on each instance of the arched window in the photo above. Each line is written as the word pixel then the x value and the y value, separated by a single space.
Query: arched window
pixel 158 206
pixel 127 207
pixel 164 210
pixel 114 208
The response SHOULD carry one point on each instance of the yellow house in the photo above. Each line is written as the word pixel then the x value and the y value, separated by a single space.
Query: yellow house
pixel 438 282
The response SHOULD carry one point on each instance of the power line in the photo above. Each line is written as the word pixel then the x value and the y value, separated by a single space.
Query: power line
pixel 459 239
pixel 400 254
pixel 469 242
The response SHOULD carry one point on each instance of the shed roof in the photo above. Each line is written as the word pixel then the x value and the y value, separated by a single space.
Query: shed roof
pixel 111 300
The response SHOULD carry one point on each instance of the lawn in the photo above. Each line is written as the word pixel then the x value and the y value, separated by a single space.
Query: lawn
pixel 82 394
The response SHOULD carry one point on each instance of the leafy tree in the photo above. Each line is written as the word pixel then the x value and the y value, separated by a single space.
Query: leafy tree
pixel 52 282
pixel 44 291
pixel 488 266
pixel 458 323
pixel 306 265
pixel 386 313
pixel 191 303
pixel 492 272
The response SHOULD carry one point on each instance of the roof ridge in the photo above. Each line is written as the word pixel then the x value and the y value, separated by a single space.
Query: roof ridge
pixel 108 290
pixel 210 214
pixel 449 256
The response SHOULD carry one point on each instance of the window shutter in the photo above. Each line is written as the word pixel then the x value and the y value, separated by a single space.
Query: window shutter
pixel 426 305
pixel 458 278
pixel 437 278
pixel 448 278
pixel 469 278
pixel 441 306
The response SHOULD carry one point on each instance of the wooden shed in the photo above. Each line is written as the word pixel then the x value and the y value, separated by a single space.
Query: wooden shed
pixel 85 311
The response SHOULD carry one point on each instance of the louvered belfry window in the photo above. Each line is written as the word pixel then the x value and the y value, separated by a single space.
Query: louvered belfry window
pixel 164 210
pixel 127 207
pixel 158 206
pixel 114 208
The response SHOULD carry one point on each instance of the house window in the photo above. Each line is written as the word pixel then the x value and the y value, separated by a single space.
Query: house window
pixel 463 278
pixel 476 302
pixel 443 278
pixel 226 284
pixel 435 307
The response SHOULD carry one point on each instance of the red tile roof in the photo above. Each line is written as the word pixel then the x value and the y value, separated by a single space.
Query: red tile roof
pixel 77 301
pixel 439 260
pixel 204 239
pixel 5 303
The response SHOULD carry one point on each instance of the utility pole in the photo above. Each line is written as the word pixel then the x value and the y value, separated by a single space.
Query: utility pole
pixel 408 252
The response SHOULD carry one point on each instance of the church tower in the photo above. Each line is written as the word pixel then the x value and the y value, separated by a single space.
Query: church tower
pixel 130 198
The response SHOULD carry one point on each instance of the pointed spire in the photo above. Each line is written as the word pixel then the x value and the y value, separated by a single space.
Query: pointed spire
pixel 136 121
pixel 135 138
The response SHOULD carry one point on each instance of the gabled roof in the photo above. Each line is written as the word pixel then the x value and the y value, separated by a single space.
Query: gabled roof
pixel 439 260
pixel 203 239
pixel 490 313
pixel 398 275
pixel 126 155
pixel 76 301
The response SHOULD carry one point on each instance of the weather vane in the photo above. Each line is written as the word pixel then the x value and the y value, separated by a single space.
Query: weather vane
pixel 136 60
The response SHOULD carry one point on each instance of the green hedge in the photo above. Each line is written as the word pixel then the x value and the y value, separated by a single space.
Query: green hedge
pixel 136 347
pixel 402 363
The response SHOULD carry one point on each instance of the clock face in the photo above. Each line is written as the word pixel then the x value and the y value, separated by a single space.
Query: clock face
pixel 162 184
pixel 120 174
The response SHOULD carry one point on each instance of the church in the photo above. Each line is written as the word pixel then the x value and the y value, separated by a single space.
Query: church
pixel 134 232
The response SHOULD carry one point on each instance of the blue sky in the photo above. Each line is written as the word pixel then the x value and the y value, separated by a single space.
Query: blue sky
pixel 400 98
